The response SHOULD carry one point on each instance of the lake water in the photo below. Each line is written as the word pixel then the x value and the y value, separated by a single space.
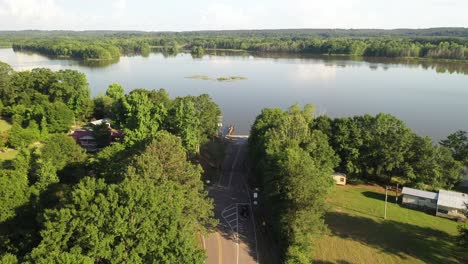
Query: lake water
pixel 431 97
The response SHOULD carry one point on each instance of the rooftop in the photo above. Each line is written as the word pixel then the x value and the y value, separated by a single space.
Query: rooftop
pixel 338 174
pixel 419 193
pixel 452 199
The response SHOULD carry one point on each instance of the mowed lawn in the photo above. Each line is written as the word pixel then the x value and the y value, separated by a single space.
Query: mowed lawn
pixel 6 154
pixel 359 234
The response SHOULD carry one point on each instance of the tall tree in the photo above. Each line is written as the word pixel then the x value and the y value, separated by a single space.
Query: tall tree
pixel 295 163
pixel 458 144
pixel 182 120
pixel 143 116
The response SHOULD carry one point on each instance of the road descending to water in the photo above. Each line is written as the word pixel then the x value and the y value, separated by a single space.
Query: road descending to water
pixel 235 239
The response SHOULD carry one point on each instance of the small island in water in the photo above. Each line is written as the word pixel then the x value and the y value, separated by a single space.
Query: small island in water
pixel 220 79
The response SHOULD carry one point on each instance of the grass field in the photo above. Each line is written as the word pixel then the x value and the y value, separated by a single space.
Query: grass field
pixel 6 154
pixel 359 234
pixel 4 125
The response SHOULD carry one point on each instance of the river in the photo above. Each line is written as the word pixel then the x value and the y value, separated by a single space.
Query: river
pixel 431 97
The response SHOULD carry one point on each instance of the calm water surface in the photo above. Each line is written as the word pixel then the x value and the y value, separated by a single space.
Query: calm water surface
pixel 430 102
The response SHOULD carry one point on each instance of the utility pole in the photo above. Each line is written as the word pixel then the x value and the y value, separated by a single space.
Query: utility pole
pixel 396 194
pixel 386 189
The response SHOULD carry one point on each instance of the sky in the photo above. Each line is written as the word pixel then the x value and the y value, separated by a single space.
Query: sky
pixel 187 15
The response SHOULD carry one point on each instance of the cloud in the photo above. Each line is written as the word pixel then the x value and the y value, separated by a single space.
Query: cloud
pixel 184 15
pixel 119 7
pixel 26 11
pixel 223 16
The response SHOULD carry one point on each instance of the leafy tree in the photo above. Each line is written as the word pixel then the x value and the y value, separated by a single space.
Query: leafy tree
pixel 72 88
pixel 103 134
pixel 458 144
pixel 61 150
pixel 5 75
pixel 115 91
pixel 132 222
pixel 165 159
pixel 45 174
pixel 182 121
pixel 295 163
pixel 44 128
pixel 463 229
pixel 59 117
pixel 8 259
pixel 21 137
pixel 103 106
pixel 144 116
pixel 208 112
pixel 324 124
pixel 115 223
pixel 450 168
pixel 391 139
pixel 13 193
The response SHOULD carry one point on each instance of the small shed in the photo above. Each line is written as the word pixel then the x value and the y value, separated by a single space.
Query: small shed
pixel 452 204
pixel 423 200
pixel 340 178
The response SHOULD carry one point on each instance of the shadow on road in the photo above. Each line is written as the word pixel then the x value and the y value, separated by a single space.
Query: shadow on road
pixel 230 191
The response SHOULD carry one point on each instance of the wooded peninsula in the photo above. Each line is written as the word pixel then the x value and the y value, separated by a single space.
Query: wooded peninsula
pixel 435 43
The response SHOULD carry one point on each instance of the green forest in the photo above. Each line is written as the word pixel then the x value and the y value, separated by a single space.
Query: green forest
pixel 60 204
pixel 437 43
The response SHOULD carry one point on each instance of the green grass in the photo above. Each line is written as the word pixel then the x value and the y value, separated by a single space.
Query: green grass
pixel 4 125
pixel 7 154
pixel 359 234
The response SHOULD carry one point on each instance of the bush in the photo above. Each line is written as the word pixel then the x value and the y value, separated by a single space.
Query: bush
pixel 21 137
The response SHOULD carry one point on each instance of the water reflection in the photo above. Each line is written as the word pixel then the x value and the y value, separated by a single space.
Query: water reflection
pixel 431 96
pixel 439 66
pixel 313 72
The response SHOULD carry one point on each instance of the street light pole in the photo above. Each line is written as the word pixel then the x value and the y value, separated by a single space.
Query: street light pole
pixel 386 189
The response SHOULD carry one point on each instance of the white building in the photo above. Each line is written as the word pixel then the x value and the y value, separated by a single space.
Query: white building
pixel 420 199
pixel 452 204
pixel 340 178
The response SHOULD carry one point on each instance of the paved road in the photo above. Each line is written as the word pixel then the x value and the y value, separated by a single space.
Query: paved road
pixel 235 240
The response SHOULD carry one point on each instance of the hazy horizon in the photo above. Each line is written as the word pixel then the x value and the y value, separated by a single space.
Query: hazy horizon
pixel 179 15
pixel 214 30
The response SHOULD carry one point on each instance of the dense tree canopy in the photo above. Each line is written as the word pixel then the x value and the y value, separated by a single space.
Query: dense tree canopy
pixel 295 163
pixel 382 148
pixel 458 144
pixel 131 222
pixel 443 43
pixel 138 201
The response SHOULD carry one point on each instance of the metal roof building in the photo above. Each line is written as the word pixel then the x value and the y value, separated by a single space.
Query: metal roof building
pixel 419 193
pixel 445 203
pixel 423 200
pixel 452 204
pixel 452 199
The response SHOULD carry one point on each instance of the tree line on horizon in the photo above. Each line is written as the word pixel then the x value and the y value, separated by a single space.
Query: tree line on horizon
pixel 111 45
